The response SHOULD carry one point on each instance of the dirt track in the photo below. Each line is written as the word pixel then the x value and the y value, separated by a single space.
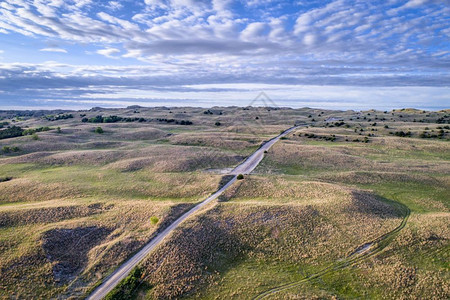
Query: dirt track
pixel 245 167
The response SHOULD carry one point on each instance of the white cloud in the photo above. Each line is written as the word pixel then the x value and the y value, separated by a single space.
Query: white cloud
pixel 341 42
pixel 415 3
pixel 114 5
pixel 254 31
pixel 54 50
pixel 109 52
pixel 309 39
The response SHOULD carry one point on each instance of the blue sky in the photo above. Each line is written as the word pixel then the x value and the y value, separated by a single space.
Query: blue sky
pixel 330 54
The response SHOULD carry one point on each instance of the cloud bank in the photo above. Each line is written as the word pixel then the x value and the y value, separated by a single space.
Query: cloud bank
pixel 163 50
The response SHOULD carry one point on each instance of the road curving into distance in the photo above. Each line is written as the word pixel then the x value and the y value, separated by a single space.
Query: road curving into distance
pixel 246 167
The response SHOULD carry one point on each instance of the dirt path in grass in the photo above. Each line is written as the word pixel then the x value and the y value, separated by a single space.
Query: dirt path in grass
pixel 362 252
pixel 246 167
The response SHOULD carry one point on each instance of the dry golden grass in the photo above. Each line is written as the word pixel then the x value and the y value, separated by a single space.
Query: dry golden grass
pixel 413 266
pixel 296 155
pixel 70 248
pixel 266 220
pixel 24 189
pixel 221 140
pixel 95 194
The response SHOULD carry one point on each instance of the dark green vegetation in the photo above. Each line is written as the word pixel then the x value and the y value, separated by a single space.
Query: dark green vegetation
pixel 111 119
pixel 11 132
pixel 16 131
pixel 58 117
pixel 127 288
pixel 323 216
pixel 154 220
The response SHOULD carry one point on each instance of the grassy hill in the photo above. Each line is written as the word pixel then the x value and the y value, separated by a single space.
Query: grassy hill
pixel 75 203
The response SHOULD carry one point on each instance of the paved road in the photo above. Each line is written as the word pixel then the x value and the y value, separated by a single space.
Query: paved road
pixel 245 167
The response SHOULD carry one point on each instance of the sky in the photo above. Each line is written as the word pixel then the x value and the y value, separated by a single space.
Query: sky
pixel 336 54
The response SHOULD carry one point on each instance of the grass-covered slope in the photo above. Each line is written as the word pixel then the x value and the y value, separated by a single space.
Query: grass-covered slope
pixel 75 202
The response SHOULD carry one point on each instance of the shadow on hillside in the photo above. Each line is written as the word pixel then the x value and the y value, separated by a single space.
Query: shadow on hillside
pixel 373 205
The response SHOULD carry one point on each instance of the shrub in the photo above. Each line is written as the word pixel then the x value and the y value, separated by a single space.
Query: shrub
pixel 99 130
pixel 35 137
pixel 185 122
pixel 217 123
pixel 58 130
pixel 240 177
pixel 126 288
pixel 58 117
pixel 96 119
pixel 32 131
pixel 402 133
pixel 154 220
pixel 182 122
pixel 14 131
pixel 6 149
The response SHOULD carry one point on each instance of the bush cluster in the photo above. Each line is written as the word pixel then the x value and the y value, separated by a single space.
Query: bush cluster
pixel 182 122
pixel 126 288
pixel 35 130
pixel 58 117
pixel 11 132
pixel 401 133
pixel 429 135
pixel 331 138
pixel 111 119
pixel 7 149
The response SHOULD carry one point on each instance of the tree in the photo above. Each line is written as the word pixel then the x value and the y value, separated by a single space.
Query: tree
pixel 99 130
pixel 14 131
pixel 240 177
pixel 154 220
pixel 217 123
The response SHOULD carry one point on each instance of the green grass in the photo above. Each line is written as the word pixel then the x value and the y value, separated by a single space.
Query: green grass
pixel 248 278
pixel 103 183
pixel 144 194
pixel 419 197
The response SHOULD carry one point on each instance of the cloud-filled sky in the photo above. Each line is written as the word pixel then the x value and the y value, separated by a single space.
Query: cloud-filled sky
pixel 332 54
